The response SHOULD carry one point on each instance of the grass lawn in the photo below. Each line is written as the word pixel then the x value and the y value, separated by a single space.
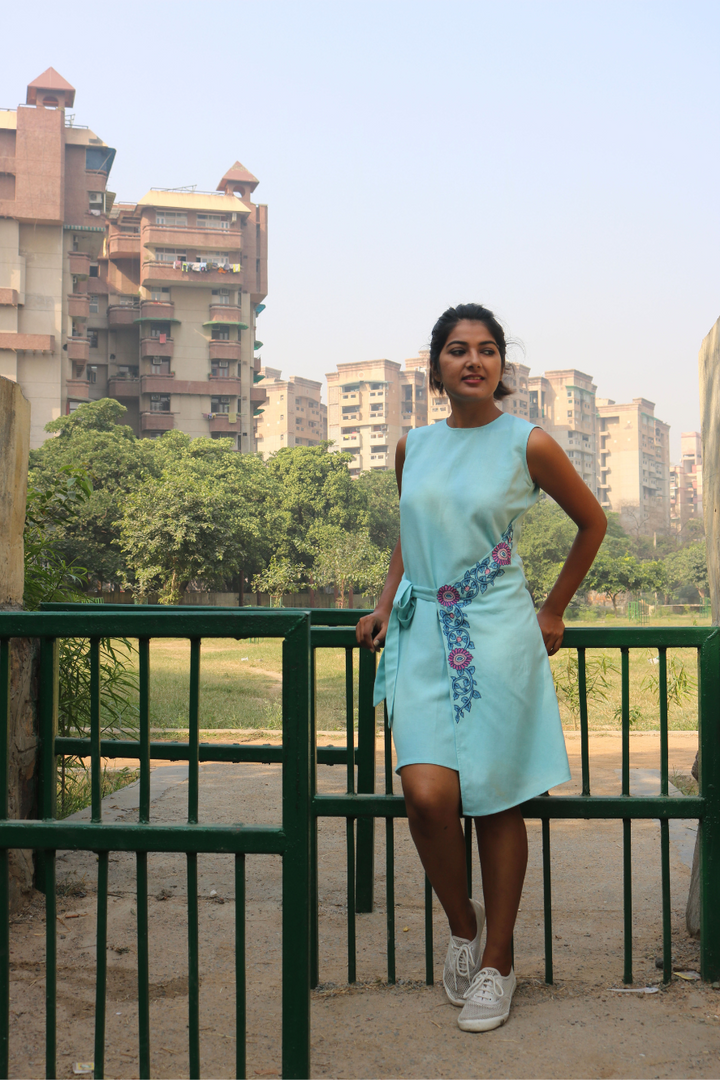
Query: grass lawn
pixel 241 683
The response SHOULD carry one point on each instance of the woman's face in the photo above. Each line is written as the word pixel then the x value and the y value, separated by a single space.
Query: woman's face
pixel 470 362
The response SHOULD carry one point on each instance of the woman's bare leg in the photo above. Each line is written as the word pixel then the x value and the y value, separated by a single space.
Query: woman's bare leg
pixel 502 843
pixel 432 798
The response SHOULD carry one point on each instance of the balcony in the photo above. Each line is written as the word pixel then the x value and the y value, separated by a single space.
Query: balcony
pixel 78 349
pixel 157 310
pixel 77 389
pixel 124 245
pixel 165 273
pixel 191 238
pixel 153 346
pixel 120 316
pixel 157 384
pixel 123 388
pixel 79 263
pixel 157 421
pixel 224 350
pixel 258 394
pixel 224 422
pixel 225 313
pixel 78 306
pixel 224 384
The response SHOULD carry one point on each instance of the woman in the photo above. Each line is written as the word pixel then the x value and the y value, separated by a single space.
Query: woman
pixel 465 669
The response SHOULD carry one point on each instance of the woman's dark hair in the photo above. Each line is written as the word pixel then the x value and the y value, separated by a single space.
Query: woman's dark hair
pixel 441 332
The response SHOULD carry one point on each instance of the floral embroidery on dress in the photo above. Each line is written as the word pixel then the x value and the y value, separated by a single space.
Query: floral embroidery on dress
pixel 456 628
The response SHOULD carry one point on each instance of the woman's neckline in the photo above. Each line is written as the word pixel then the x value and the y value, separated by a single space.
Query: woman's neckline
pixel 475 427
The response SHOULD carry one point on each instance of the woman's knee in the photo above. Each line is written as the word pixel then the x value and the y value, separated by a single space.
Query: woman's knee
pixel 430 805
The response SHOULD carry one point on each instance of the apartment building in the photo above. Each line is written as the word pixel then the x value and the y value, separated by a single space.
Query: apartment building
pixel 563 404
pixel 635 465
pixel 686 482
pixel 517 379
pixel 153 303
pixel 292 414
pixel 371 405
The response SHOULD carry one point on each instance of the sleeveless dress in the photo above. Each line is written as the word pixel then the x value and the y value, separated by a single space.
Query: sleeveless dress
pixel 464 671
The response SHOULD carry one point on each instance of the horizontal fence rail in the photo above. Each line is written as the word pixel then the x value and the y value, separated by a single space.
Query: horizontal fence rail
pixel 360 805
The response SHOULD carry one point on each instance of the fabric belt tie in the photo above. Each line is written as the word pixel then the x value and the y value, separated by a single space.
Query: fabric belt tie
pixel 403 610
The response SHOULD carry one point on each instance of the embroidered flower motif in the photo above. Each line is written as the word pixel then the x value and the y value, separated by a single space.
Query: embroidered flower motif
pixel 455 626
pixel 459 659
pixel 502 554
pixel 448 596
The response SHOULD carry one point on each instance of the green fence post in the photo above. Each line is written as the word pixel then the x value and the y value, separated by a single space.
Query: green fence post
pixel 709 717
pixel 366 783
pixel 297 785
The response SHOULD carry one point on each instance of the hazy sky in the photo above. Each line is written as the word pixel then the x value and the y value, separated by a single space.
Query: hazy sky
pixel 555 161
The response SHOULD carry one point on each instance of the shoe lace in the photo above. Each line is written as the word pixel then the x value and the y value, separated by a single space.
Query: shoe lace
pixel 463 961
pixel 485 988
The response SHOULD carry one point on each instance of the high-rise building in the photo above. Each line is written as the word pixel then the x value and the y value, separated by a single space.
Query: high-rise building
pixel 686 486
pixel 563 404
pixel 292 414
pixel 153 302
pixel 516 378
pixel 371 405
pixel 635 465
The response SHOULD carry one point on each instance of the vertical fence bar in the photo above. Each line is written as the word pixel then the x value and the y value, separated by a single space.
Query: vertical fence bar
pixel 95 765
pixel 4 861
pixel 709 762
pixel 429 959
pixel 389 856
pixel 299 765
pixel 625 713
pixel 547 900
pixel 350 721
pixel 314 895
pixel 584 730
pixel 50 965
pixel 143 965
pixel 101 965
pixel 48 730
pixel 366 781
pixel 351 893
pixel 662 686
pixel 144 748
pixel 240 976
pixel 193 967
pixel 468 823
pixel 666 911
pixel 194 732
pixel 627 900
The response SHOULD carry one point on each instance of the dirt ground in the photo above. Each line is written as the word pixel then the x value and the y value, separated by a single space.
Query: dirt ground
pixel 576 1028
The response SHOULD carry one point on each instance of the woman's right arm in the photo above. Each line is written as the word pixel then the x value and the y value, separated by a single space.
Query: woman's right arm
pixel 371 629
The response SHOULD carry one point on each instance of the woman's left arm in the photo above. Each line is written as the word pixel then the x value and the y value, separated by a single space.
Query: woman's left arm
pixel 551 470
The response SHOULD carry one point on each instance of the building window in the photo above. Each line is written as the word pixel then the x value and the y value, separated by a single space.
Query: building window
pixel 170 217
pixel 220 367
pixel 159 365
pixel 126 372
pixel 170 255
pixel 159 403
pixel 93 338
pixel 162 295
pixel 220 296
pixel 220 404
pixel 96 201
pixel 92 373
pixel 94 304
pixel 220 333
pixel 78 329
pixel 212 221
pixel 94 270
pixel 160 330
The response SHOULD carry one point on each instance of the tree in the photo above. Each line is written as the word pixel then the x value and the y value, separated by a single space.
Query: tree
pixel 612 575
pixel 349 560
pixel 687 568
pixel 379 489
pixel 545 540
pixel 278 578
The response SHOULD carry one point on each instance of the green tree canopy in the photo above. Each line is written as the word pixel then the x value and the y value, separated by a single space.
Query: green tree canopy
pixel 688 568
pixel 545 540
pixel 611 575
pixel 379 489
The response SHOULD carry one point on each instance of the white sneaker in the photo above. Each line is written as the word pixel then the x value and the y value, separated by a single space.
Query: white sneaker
pixel 488 1000
pixel 463 960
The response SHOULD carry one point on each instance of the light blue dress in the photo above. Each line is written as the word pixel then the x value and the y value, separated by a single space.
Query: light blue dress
pixel 464 671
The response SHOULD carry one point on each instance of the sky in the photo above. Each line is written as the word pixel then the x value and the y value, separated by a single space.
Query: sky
pixel 556 161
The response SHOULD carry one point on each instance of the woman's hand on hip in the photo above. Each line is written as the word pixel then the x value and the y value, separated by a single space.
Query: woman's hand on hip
pixel 553 629
pixel 371 629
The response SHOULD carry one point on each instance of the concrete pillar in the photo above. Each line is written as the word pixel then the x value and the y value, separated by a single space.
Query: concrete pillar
pixel 709 361
pixel 23 734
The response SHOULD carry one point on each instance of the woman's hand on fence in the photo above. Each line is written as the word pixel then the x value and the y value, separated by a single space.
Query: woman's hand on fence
pixel 371 629
pixel 552 628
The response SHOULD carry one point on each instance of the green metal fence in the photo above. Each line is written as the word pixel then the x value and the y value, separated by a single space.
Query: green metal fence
pixel 296 840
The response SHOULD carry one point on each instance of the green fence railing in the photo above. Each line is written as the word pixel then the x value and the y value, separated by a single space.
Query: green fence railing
pixel 359 806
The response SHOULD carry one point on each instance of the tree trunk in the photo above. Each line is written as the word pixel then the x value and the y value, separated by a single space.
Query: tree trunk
pixel 709 361
pixel 22 734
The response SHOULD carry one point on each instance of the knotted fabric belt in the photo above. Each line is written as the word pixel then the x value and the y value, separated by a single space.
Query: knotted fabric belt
pixel 403 610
